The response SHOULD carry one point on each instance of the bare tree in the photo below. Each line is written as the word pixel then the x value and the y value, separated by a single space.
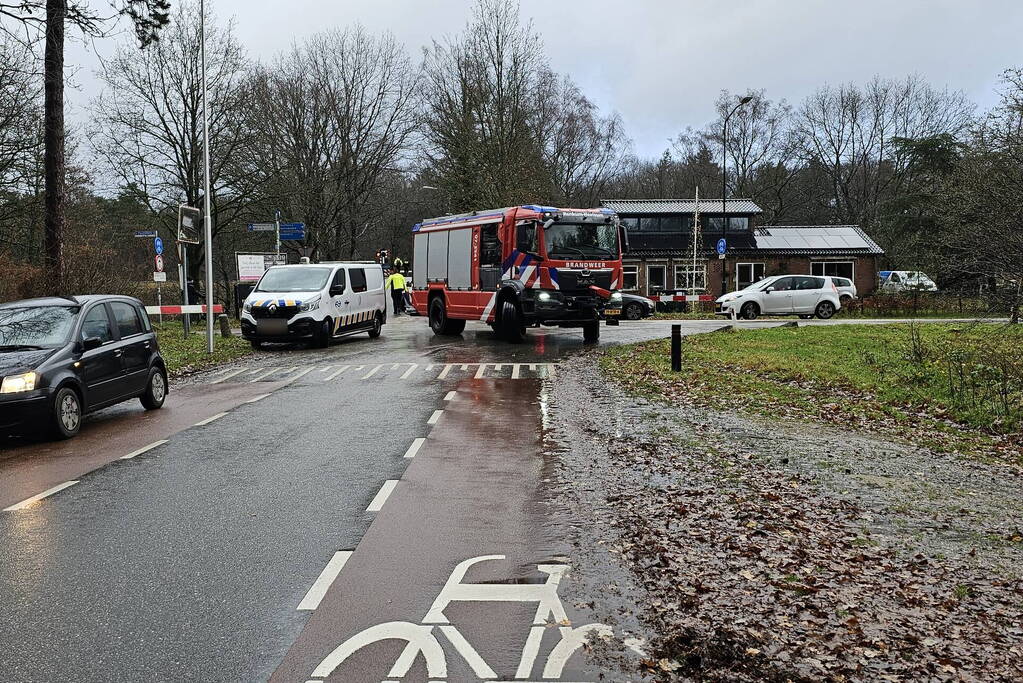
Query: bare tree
pixel 146 127
pixel 333 121
pixel 28 20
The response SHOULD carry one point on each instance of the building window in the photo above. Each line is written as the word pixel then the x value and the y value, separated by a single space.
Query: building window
pixel 630 278
pixel 655 277
pixel 738 224
pixel 689 278
pixel 844 269
pixel 650 224
pixel 748 273
pixel 631 224
pixel 712 224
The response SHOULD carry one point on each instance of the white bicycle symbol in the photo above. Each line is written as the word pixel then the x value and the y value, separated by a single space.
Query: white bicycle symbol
pixel 420 639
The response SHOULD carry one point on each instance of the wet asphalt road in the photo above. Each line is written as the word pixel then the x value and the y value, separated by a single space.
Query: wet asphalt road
pixel 189 561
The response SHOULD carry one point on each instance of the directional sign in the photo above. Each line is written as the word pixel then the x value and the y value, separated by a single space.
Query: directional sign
pixel 158 263
pixel 146 233
pixel 158 245
pixel 293 231
pixel 292 236
pixel 261 227
pixel 293 227
pixel 722 246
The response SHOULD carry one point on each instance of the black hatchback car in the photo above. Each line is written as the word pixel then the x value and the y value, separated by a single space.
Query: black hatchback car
pixel 63 357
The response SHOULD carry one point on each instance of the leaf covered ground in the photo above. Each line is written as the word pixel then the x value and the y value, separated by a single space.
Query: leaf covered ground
pixel 765 549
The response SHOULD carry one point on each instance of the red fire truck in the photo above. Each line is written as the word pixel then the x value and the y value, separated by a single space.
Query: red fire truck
pixel 519 267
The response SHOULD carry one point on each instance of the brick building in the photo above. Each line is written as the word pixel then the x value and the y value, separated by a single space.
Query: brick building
pixel 659 258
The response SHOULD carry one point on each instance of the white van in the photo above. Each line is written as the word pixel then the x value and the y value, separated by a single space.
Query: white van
pixel 905 280
pixel 316 302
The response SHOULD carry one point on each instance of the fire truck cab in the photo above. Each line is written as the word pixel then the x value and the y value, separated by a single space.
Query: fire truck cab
pixel 518 267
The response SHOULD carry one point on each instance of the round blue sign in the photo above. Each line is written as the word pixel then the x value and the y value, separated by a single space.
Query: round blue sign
pixel 722 245
pixel 158 245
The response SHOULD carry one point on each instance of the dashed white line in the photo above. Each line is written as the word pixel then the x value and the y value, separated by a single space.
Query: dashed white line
pixel 39 496
pixel 414 448
pixel 436 416
pixel 263 374
pixel 411 368
pixel 336 373
pixel 319 588
pixel 450 395
pixel 377 504
pixel 445 371
pixel 228 376
pixel 479 373
pixel 300 373
pixel 326 368
pixel 516 369
pixel 372 372
pixel 202 423
pixel 144 449
pixel 257 398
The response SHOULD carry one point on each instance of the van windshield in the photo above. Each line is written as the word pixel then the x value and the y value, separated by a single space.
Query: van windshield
pixel 295 279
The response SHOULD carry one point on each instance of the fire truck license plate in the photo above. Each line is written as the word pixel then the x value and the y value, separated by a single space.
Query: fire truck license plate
pixel 612 311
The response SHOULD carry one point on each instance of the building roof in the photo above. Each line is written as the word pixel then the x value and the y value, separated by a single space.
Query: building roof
pixel 676 206
pixel 815 238
pixel 775 240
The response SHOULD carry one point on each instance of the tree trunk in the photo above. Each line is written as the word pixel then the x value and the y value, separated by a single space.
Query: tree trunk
pixel 53 144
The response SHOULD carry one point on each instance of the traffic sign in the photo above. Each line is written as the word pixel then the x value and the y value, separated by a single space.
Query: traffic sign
pixel 722 246
pixel 293 227
pixel 159 276
pixel 158 245
pixel 261 227
pixel 146 233
pixel 189 219
pixel 293 231
pixel 293 236
pixel 158 263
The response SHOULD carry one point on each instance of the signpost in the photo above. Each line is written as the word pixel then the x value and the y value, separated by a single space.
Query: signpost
pixel 146 233
pixel 189 218
pixel 252 266
pixel 292 231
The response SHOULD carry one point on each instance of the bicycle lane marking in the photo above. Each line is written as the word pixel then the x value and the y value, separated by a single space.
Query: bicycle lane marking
pixel 419 601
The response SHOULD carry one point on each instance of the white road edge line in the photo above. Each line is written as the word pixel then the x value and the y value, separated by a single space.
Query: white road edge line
pixel 436 416
pixel 377 504
pixel 39 496
pixel 258 398
pixel 229 376
pixel 414 448
pixel 450 395
pixel 323 582
pixel 144 449
pixel 202 423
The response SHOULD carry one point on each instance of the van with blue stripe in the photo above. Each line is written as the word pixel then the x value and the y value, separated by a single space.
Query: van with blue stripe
pixel 315 303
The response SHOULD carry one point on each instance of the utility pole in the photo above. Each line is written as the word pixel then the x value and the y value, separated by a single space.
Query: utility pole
pixel 207 218
pixel 724 183
pixel 277 223
pixel 697 239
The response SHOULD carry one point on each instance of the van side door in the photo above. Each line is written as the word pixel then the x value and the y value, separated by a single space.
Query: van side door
pixel 340 299
pixel 357 283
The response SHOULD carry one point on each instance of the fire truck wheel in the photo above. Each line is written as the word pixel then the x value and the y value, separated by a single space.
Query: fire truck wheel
pixel 591 332
pixel 440 323
pixel 512 327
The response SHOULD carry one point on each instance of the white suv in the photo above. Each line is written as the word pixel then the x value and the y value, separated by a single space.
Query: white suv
pixel 316 302
pixel 805 295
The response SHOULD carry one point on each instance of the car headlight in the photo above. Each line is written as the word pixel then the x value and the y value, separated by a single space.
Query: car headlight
pixel 247 307
pixel 616 296
pixel 17 383
pixel 310 305
pixel 544 296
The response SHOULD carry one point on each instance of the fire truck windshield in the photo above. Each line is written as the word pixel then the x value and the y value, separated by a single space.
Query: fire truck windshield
pixel 586 240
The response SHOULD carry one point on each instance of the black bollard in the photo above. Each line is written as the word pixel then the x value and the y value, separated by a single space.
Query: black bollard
pixel 676 348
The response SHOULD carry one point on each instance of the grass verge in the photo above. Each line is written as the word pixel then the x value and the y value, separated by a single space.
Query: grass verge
pixel 184 356
pixel 952 388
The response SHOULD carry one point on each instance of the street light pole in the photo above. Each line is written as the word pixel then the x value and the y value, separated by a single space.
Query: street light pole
pixel 207 219
pixel 724 182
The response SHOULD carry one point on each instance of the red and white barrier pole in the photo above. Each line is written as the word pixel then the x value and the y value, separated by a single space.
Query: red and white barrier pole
pixel 181 310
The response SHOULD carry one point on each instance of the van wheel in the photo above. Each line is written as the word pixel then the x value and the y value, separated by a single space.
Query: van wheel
pixel 65 414
pixel 749 311
pixel 378 325
pixel 825 310
pixel 439 321
pixel 512 328
pixel 156 390
pixel 591 332
pixel 322 338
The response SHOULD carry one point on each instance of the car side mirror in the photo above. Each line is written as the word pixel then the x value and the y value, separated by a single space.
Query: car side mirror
pixel 769 290
pixel 337 290
pixel 90 343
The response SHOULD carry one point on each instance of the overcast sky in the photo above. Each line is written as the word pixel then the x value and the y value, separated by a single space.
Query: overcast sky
pixel 661 63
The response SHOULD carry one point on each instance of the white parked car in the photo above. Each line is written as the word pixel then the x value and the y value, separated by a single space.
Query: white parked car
pixel 846 289
pixel 906 281
pixel 315 302
pixel 805 295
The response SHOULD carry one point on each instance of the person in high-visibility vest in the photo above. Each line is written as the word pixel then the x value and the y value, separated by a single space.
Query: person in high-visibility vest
pixel 396 283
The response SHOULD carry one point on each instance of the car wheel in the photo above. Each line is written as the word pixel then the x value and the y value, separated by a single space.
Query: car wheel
pixel 66 414
pixel 378 325
pixel 156 390
pixel 825 310
pixel 845 299
pixel 512 328
pixel 439 321
pixel 591 332
pixel 632 311
pixel 749 311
